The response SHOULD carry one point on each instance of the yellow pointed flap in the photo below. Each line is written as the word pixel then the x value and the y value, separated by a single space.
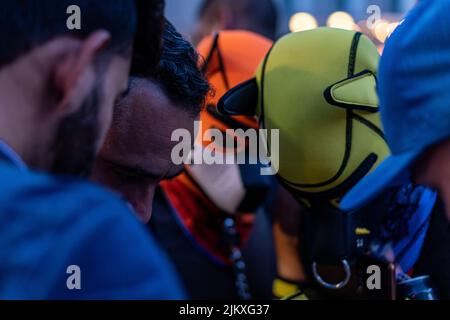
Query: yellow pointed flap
pixel 358 92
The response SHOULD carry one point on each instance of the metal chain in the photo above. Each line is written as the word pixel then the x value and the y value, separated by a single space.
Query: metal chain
pixel 239 265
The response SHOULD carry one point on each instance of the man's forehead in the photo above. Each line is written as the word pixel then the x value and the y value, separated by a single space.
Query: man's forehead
pixel 147 101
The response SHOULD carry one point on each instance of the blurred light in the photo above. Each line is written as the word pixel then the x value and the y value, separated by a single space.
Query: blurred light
pixel 381 31
pixel 302 21
pixel 341 20
pixel 392 27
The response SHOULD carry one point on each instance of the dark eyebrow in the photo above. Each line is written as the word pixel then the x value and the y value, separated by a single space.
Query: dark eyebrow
pixel 133 171
pixel 137 171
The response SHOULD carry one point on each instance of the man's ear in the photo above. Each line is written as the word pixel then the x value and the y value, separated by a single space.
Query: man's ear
pixel 71 73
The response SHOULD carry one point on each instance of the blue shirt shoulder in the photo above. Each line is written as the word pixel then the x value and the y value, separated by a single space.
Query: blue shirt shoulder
pixel 64 238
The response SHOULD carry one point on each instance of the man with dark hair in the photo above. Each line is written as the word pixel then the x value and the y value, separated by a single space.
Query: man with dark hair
pixel 61 237
pixel 138 148
pixel 259 16
pixel 210 218
pixel 148 35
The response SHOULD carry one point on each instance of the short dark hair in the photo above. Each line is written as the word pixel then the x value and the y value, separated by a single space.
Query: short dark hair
pixel 178 73
pixel 148 38
pixel 259 16
pixel 26 24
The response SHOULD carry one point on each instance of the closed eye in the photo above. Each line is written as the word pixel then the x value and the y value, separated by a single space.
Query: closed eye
pixel 131 172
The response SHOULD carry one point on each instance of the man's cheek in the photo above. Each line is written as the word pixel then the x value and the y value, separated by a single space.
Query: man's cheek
pixel 105 121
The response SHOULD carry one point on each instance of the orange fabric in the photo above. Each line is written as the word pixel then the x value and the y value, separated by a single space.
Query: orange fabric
pixel 241 54
pixel 203 220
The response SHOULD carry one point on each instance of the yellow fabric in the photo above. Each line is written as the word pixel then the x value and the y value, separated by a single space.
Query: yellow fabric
pixel 282 289
pixel 359 91
pixel 299 70
pixel 362 232
pixel 299 296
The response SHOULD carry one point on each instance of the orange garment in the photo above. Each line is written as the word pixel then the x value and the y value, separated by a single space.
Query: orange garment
pixel 230 58
pixel 203 220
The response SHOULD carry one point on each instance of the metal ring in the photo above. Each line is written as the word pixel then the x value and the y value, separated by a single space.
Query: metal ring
pixel 337 286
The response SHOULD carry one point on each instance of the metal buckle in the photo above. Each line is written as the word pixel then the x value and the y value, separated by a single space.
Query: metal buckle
pixel 337 286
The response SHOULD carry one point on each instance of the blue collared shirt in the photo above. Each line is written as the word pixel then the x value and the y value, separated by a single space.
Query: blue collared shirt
pixel 8 154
